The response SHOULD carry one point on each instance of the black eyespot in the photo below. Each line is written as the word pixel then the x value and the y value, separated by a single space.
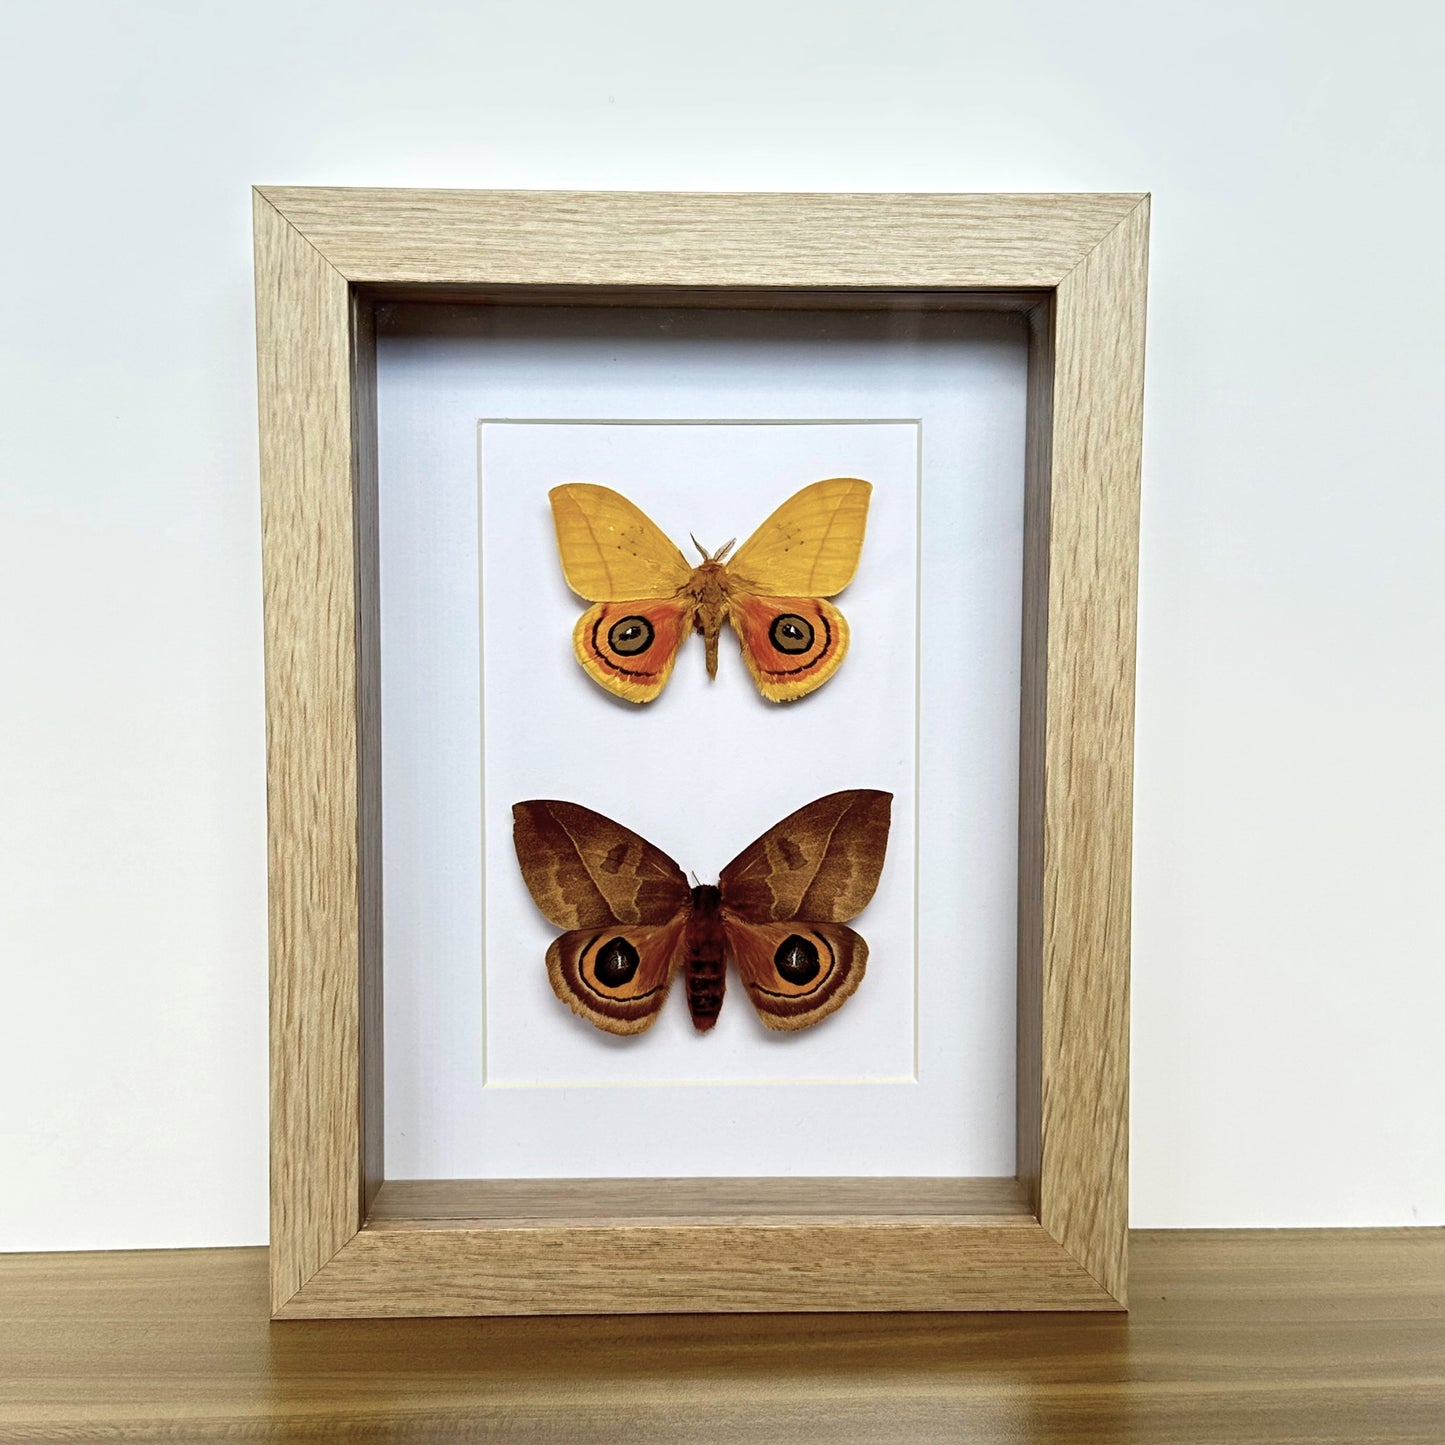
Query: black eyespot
pixel 615 963
pixel 790 633
pixel 797 959
pixel 630 635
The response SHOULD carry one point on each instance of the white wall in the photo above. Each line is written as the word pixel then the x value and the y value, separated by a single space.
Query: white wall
pixel 1288 983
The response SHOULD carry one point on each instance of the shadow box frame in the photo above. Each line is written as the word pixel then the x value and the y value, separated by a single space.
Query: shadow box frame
pixel 347 1242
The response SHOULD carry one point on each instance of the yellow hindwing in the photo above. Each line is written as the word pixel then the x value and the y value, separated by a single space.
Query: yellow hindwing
pixel 611 550
pixel 810 546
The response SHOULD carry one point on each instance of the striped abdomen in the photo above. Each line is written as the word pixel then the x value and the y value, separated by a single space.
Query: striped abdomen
pixel 706 966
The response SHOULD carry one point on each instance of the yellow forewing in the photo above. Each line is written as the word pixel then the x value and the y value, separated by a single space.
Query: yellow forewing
pixel 611 550
pixel 809 547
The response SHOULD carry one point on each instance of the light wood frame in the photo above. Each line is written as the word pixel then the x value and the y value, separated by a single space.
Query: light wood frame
pixel 346 1242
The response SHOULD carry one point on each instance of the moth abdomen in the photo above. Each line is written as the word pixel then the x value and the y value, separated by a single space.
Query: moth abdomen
pixel 706 982
pixel 706 964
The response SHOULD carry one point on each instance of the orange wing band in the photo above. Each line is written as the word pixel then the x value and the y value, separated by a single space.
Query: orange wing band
pixel 630 647
pixel 616 978
pixel 796 973
pixel 790 644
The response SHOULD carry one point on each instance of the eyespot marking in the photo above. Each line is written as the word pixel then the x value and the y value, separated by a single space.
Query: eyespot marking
pixel 616 963
pixel 797 960
pixel 791 634
pixel 630 635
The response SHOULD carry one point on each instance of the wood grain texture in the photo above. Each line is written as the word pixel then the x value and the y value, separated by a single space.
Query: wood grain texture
pixel 309 436
pixel 631 238
pixel 707 298
pixel 678 1246
pixel 1077 263
pixel 1033 744
pixel 1330 1337
pixel 1093 521
pixel 521 1203
pixel 867 1263
pixel 368 744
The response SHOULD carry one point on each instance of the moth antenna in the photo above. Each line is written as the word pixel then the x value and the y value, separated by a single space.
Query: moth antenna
pixel 701 549
pixel 725 549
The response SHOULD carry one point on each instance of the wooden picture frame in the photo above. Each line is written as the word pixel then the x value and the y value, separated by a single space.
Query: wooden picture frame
pixel 344 1241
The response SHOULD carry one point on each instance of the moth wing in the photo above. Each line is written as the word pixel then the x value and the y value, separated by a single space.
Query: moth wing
pixel 630 647
pixel 585 871
pixel 820 864
pixel 612 550
pixel 810 546
pixel 790 644
pixel 796 973
pixel 617 978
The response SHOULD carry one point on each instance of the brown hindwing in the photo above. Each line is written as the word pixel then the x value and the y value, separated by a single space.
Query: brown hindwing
pixel 796 973
pixel 617 978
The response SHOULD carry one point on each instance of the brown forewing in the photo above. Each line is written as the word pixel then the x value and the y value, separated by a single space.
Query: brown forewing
pixel 820 864
pixel 585 871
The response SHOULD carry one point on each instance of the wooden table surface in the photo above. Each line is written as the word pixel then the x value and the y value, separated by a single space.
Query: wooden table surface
pixel 1322 1335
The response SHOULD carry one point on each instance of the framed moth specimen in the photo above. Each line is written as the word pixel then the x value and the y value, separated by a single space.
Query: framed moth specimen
pixel 706 362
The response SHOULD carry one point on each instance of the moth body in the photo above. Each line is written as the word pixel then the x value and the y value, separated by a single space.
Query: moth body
pixel 707 589
pixel 705 963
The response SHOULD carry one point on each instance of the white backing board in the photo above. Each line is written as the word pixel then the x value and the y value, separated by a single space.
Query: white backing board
pixel 707 420
pixel 710 764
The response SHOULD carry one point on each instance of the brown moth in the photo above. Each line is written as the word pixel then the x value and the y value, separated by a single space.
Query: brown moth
pixel 633 922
